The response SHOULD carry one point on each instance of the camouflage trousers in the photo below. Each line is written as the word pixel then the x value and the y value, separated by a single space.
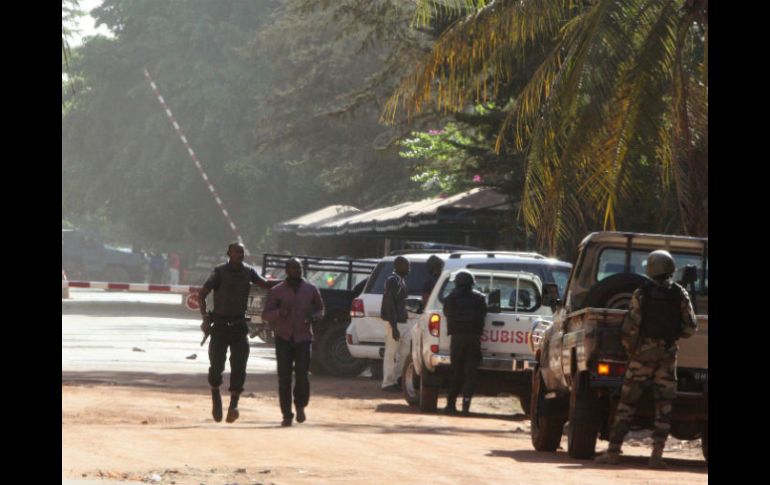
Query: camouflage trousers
pixel 655 364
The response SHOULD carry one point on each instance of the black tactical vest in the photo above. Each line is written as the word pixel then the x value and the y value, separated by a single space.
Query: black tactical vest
pixel 467 316
pixel 661 311
pixel 232 296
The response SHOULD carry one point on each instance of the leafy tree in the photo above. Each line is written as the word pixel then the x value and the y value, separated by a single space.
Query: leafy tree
pixel 616 111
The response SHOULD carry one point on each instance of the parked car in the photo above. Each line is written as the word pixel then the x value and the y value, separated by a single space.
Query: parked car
pixel 85 257
pixel 514 304
pixel 366 333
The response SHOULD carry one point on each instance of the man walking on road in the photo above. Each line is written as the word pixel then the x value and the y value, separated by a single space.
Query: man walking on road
pixel 393 313
pixel 659 314
pixel 227 326
pixel 292 307
pixel 465 310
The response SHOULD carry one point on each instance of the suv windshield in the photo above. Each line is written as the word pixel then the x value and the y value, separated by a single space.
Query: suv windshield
pixel 418 275
pixel 516 295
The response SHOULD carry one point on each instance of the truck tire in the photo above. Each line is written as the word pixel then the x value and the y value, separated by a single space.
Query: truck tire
pixel 584 421
pixel 334 356
pixel 428 397
pixel 525 399
pixel 545 431
pixel 410 383
pixel 614 291
pixel 704 438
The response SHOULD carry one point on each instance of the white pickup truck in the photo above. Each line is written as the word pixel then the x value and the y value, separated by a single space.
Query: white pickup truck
pixel 514 300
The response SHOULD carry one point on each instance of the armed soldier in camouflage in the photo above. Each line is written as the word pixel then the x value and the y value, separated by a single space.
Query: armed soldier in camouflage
pixel 659 314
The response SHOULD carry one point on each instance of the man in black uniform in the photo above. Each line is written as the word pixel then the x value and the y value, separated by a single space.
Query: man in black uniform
pixel 227 326
pixel 465 310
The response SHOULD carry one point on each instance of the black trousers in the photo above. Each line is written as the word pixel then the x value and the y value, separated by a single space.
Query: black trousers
pixel 235 337
pixel 292 356
pixel 465 354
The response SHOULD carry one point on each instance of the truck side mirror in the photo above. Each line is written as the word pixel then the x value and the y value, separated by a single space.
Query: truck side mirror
pixel 414 306
pixel 493 301
pixel 551 296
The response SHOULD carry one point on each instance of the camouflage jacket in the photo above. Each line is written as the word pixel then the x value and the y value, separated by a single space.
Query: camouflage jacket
pixel 633 322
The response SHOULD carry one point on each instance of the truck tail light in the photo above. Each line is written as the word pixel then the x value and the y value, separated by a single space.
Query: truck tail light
pixel 349 339
pixel 434 324
pixel 610 369
pixel 357 308
pixel 434 348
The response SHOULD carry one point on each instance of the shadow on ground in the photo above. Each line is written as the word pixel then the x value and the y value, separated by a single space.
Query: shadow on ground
pixel 322 385
pixel 563 461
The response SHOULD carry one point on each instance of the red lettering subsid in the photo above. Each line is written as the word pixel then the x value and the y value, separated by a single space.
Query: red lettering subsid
pixel 505 336
pixel 494 336
pixel 518 337
pixel 526 338
pixel 484 336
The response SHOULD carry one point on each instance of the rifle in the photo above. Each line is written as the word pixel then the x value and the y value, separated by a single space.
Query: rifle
pixel 210 318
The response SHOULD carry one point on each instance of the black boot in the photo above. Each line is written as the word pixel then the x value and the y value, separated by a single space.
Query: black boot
pixel 451 406
pixel 232 410
pixel 466 406
pixel 216 404
pixel 287 419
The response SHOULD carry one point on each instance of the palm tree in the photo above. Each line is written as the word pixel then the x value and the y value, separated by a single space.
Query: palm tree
pixel 621 81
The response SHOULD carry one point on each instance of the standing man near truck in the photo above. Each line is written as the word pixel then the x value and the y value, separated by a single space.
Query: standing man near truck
pixel 393 312
pixel 292 307
pixel 435 266
pixel 227 326
pixel 659 314
pixel 465 310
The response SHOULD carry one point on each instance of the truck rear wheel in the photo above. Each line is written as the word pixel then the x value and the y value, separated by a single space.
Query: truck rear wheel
pixel 545 430
pixel 584 422
pixel 428 397
pixel 334 356
pixel 410 383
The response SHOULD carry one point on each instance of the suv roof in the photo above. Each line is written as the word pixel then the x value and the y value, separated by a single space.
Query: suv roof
pixel 515 256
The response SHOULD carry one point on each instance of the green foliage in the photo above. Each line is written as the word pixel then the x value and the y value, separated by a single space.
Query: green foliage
pixel 280 101
pixel 616 82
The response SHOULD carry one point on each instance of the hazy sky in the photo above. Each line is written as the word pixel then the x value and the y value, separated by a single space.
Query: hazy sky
pixel 86 24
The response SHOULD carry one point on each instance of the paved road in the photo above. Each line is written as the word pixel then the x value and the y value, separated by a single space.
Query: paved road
pixel 101 330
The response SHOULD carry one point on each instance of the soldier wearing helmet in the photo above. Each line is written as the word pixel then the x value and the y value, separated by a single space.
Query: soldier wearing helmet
pixel 465 310
pixel 659 314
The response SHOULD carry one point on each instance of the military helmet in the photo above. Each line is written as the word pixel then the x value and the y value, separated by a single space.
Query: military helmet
pixel 660 263
pixel 464 278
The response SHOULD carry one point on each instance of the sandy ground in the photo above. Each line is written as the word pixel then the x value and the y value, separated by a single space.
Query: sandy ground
pixel 157 428
pixel 136 407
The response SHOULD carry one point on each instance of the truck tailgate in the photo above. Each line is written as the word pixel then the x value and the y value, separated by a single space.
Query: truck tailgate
pixel 506 334
pixel 694 351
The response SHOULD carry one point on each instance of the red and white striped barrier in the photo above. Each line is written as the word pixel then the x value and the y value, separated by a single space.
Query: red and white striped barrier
pixel 191 300
pixel 191 152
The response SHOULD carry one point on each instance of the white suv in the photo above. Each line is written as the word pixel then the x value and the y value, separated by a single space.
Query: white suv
pixel 366 334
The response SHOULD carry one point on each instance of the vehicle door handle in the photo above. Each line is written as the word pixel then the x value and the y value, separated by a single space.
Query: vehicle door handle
pixel 498 323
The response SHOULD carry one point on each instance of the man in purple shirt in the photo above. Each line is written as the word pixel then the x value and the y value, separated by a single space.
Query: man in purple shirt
pixel 292 306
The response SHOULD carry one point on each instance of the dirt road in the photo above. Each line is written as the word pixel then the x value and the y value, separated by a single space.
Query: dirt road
pixel 134 407
pixel 153 424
